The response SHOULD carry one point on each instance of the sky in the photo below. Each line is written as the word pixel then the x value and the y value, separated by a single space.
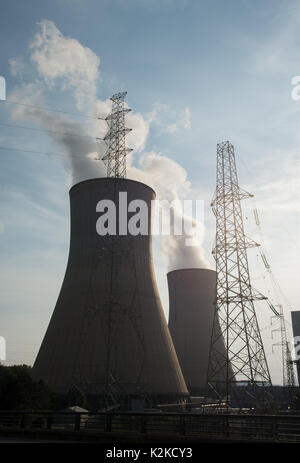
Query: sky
pixel 197 73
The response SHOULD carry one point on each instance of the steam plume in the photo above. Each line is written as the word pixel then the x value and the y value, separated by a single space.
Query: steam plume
pixel 64 62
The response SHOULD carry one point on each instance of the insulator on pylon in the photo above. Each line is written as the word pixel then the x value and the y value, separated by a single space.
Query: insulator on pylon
pixel 273 309
pixel 264 259
pixel 256 218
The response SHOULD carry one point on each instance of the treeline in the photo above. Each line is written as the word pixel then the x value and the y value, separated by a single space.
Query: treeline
pixel 18 391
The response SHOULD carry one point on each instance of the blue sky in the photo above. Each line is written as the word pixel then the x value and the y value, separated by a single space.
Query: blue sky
pixel 197 73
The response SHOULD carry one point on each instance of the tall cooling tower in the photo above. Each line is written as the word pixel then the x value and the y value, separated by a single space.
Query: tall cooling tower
pixel 192 294
pixel 108 332
pixel 296 332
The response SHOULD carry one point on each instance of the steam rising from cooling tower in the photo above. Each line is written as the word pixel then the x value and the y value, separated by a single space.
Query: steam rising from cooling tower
pixel 65 64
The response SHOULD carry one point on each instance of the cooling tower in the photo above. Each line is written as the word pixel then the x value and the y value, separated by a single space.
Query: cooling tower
pixel 296 332
pixel 108 333
pixel 192 294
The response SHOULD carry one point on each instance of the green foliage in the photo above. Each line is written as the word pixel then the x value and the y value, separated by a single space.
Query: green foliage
pixel 18 391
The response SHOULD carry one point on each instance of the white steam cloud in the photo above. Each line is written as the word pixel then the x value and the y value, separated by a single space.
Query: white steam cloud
pixel 65 63
pixel 81 150
pixel 64 59
pixel 169 180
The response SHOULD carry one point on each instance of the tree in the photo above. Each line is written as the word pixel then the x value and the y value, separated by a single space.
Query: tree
pixel 18 391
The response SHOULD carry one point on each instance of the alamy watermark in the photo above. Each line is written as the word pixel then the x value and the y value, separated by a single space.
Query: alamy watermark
pixel 2 348
pixel 295 94
pixel 178 218
pixel 297 347
pixel 2 88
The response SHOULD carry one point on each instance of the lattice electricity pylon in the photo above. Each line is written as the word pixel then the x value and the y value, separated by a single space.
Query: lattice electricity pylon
pixel 115 157
pixel 288 374
pixel 235 322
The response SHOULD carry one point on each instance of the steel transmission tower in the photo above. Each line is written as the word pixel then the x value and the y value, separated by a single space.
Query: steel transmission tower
pixel 244 361
pixel 117 252
pixel 287 364
pixel 115 158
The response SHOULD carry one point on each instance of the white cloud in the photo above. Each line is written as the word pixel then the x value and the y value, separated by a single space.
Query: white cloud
pixel 16 67
pixel 168 120
pixel 169 181
pixel 155 169
pixel 69 135
pixel 136 139
pixel 65 60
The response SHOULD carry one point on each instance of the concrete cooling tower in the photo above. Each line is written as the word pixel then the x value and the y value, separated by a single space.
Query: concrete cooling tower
pixel 192 294
pixel 108 334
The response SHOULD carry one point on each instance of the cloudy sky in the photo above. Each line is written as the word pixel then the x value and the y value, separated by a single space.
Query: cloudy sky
pixel 197 73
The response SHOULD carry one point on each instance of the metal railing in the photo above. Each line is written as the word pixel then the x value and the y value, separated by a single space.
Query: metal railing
pixel 245 427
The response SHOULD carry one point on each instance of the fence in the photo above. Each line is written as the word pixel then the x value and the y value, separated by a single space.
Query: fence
pixel 247 427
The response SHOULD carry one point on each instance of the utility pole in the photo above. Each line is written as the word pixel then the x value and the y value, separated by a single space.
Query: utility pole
pixel 235 322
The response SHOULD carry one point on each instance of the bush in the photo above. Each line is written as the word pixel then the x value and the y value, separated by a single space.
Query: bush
pixel 18 391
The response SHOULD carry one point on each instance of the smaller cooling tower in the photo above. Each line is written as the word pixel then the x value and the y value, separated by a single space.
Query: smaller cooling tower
pixel 296 331
pixel 192 294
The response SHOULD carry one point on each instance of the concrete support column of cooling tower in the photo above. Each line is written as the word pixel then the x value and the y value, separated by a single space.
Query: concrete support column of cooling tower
pixel 296 332
pixel 108 320
pixel 192 294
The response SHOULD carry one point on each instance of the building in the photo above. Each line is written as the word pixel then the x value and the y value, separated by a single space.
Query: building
pixel 108 334
pixel 192 294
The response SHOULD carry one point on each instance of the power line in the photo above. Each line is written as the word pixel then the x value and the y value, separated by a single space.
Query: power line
pixel 44 108
pixel 275 282
pixel 50 131
pixel 265 258
pixel 257 188
pixel 7 148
